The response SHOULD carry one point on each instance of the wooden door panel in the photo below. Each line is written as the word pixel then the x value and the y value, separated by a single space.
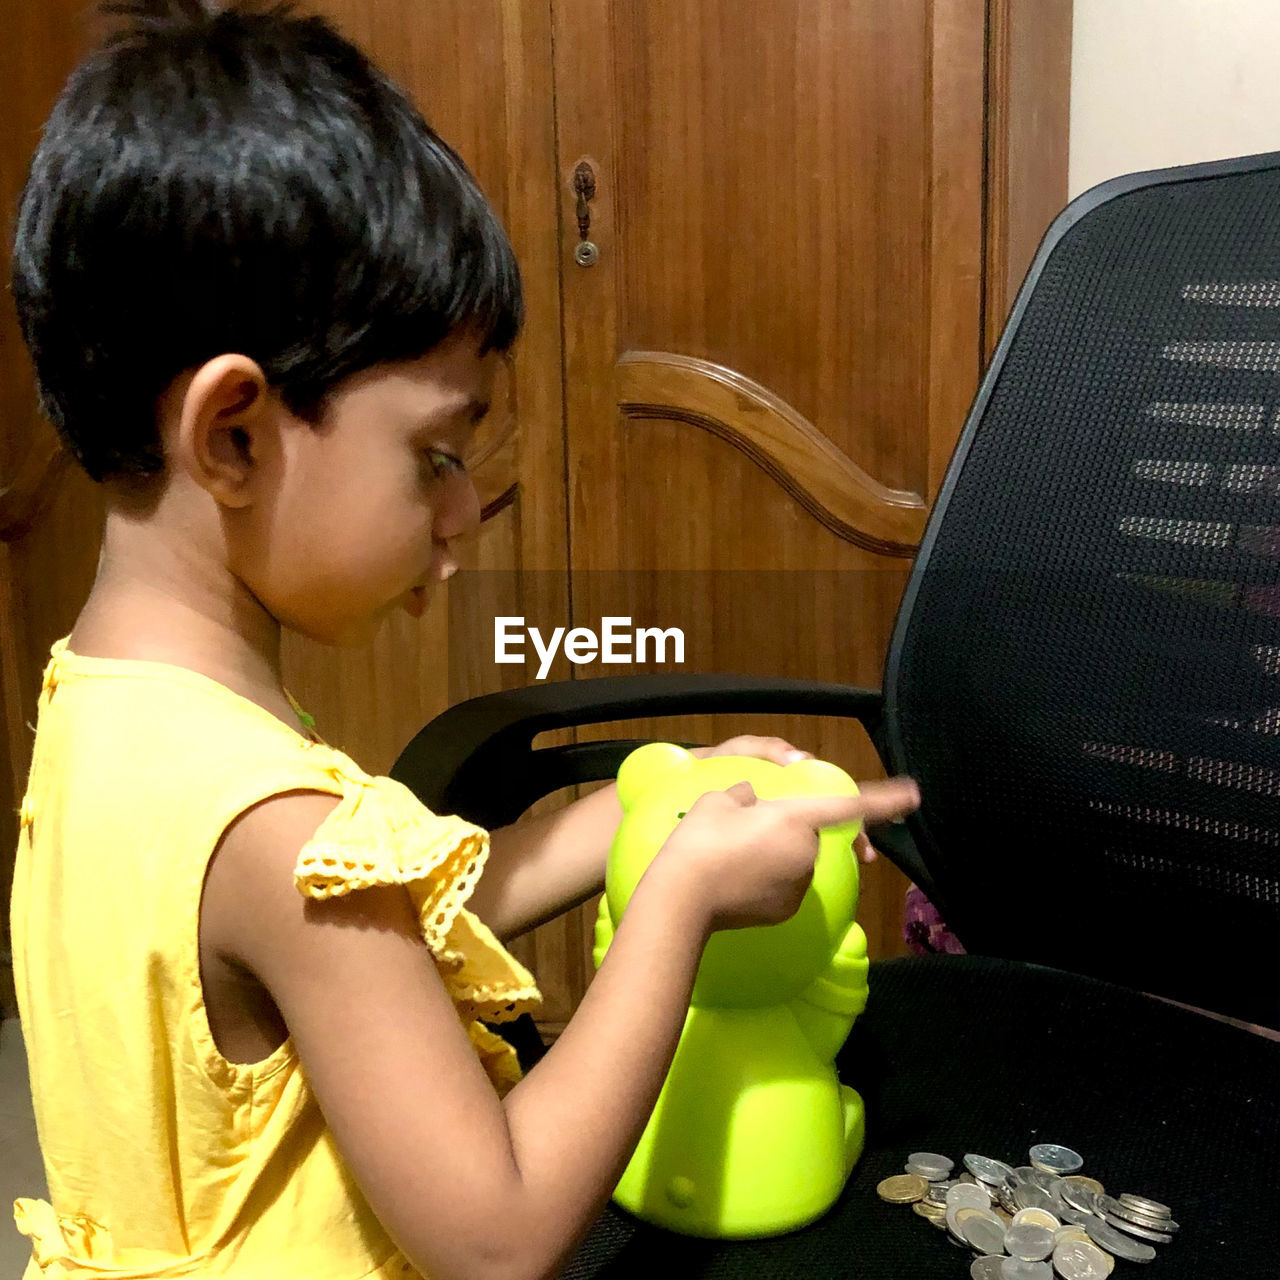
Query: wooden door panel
pixel 771 182
pixel 777 343
pixel 794 217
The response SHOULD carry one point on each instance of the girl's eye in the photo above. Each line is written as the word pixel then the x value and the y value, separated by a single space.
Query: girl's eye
pixel 445 464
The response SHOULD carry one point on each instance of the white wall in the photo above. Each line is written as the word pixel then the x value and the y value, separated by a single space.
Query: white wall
pixel 1164 82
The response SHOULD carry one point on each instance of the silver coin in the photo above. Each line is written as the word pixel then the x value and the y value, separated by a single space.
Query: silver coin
pixel 1021 1269
pixel 1026 1175
pixel 1143 1205
pixel 1077 1196
pixel 1008 1202
pixel 987 1268
pixel 1123 1212
pixel 968 1193
pixel 1055 1159
pixel 956 1214
pixel 1029 1242
pixel 931 1167
pixel 1029 1196
pixel 1143 1233
pixel 1076 1260
pixel 1076 1216
pixel 987 1170
pixel 1117 1242
pixel 1068 1232
pixel 985 1232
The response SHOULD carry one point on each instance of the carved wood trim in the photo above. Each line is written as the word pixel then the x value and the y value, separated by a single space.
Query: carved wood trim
pixel 500 503
pixel 779 440
pixel 33 488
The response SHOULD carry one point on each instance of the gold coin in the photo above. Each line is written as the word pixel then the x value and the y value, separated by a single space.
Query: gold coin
pixel 966 1211
pixel 931 1213
pixel 1071 1233
pixel 1037 1218
pixel 1006 1218
pixel 903 1188
pixel 1089 1184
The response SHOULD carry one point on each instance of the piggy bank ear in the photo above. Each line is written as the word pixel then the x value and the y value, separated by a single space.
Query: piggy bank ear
pixel 646 764
pixel 818 778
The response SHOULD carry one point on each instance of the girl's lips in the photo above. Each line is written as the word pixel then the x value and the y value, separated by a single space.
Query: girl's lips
pixel 415 601
pixel 417 598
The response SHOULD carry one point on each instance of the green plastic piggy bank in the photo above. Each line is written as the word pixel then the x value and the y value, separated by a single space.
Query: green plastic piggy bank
pixel 752 1134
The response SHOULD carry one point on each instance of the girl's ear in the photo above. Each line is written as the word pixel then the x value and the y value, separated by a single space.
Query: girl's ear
pixel 225 428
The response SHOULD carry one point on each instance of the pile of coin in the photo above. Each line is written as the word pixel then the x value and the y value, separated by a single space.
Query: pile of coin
pixel 1028 1221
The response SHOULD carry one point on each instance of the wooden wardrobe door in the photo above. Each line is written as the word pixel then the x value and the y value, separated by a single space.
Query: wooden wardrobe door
pixel 770 359
pixel 50 513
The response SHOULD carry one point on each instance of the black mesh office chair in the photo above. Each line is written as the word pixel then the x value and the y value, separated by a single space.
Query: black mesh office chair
pixel 1085 680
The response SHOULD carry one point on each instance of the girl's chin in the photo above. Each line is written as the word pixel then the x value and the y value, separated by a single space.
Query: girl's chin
pixel 352 632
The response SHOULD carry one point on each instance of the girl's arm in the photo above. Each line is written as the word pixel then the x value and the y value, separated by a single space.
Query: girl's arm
pixel 540 867
pixel 467 1184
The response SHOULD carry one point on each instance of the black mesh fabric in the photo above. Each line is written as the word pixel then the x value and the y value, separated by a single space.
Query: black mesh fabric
pixel 965 1053
pixel 1084 677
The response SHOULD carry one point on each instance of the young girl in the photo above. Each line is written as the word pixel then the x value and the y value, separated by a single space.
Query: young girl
pixel 264 303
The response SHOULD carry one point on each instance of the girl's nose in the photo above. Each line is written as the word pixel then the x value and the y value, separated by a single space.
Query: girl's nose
pixel 458 511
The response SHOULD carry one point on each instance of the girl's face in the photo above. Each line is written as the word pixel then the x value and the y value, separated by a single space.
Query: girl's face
pixel 368 501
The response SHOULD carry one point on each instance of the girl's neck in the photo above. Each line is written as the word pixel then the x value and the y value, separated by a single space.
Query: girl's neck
pixel 154 602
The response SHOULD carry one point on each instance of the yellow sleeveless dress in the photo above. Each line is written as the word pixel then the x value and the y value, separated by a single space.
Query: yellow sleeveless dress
pixel 163 1159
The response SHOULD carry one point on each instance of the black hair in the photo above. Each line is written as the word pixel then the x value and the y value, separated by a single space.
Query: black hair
pixel 238 180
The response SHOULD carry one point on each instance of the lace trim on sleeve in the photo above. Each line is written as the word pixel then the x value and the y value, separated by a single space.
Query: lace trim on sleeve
pixel 381 834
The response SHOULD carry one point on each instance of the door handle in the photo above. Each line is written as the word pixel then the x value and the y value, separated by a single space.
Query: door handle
pixel 585 254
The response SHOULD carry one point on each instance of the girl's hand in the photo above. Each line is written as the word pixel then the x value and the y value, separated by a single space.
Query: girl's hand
pixel 743 861
pixel 780 751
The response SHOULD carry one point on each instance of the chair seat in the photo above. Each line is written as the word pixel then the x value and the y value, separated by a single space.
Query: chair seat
pixel 964 1053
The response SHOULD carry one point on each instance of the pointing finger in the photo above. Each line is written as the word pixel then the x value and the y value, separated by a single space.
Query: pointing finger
pixel 876 802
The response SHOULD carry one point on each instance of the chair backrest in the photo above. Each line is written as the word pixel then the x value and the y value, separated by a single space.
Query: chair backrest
pixel 1085 673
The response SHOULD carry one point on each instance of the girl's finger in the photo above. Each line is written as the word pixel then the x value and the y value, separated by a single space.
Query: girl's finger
pixel 865 850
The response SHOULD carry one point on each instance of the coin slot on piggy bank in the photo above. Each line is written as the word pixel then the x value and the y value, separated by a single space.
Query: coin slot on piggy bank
pixel 752 1134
